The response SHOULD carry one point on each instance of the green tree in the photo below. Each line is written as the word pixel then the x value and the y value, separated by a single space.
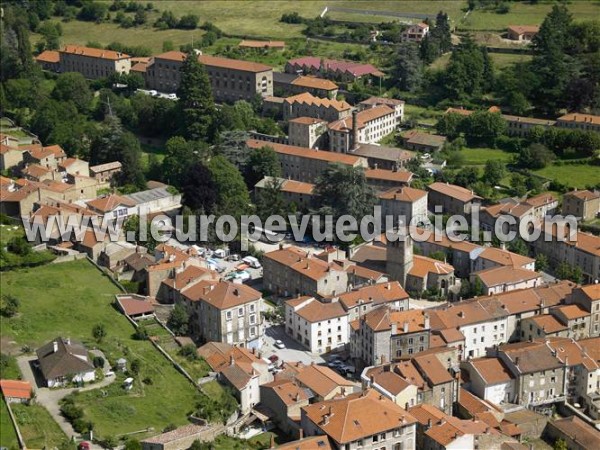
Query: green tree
pixel 408 68
pixel 262 162
pixel 72 86
pixel 344 190
pixel 130 154
pixel 178 321
pixel 269 199
pixel 541 262
pixel 232 194
pixel 15 47
pixel 449 125
pixel 535 156
pixel 199 189
pixel 464 77
pixel 483 127
pixel 550 63
pixel 196 104
pixel 180 156
pixel 10 305
pixel 99 332
pixel 493 172
pixel 560 444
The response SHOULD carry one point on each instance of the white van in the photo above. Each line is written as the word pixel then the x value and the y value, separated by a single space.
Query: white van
pixel 252 262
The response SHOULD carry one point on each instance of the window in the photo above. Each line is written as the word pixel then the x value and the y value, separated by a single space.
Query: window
pixel 228 315
pixel 253 319
pixel 240 311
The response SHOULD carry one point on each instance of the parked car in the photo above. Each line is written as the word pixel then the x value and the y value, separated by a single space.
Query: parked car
pixel 84 446
pixel 279 344
pixel 220 253
pixel 273 358
pixel 234 257
pixel 252 262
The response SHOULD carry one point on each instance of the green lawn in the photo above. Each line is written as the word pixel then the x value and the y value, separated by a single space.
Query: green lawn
pixel 574 176
pixel 11 370
pixel 8 436
pixel 68 299
pixel 524 13
pixel 500 60
pixel 37 426
pixel 479 156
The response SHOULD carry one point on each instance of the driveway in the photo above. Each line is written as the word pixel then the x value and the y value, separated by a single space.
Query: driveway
pixel 293 351
pixel 50 398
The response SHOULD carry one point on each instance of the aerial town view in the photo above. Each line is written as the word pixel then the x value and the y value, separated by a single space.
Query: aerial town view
pixel 300 225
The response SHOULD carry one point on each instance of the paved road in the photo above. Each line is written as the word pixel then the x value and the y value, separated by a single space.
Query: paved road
pixel 50 398
pixel 293 351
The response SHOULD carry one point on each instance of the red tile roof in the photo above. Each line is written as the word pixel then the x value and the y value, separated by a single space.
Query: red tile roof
pixel 94 52
pixel 16 389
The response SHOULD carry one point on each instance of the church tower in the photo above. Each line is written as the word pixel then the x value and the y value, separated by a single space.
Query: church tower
pixel 399 259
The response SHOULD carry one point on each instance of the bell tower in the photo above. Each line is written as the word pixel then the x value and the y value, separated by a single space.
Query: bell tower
pixel 399 259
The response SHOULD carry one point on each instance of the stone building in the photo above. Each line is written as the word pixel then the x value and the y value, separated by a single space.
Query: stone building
pixel 230 79
pixel 93 63
pixel 582 204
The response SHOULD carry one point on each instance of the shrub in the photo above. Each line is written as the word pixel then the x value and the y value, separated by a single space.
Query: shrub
pixel 98 362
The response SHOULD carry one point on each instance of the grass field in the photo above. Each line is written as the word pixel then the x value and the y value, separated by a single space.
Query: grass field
pixel 37 426
pixel 11 371
pixel 575 176
pixel 479 156
pixel 7 232
pixel 500 60
pixel 68 299
pixel 524 13
pixel 8 436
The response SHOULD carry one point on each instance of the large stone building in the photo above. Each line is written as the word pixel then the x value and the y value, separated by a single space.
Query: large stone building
pixel 291 271
pixel 404 204
pixel 93 63
pixel 230 79
pixel 585 122
pixel 453 199
pixel 307 105
pixel 308 132
pixel 222 311
pixel 367 126
pixel 384 335
pixel 581 204
pixel 367 420
pixel 305 164
pixel 321 327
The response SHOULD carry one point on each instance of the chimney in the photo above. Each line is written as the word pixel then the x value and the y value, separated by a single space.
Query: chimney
pixel 406 406
pixel 426 321
pixel 301 433
pixel 354 136
pixel 405 328
pixel 55 346
pixel 517 359
pixel 231 360
pixel 371 379
pixel 272 444
pixel 394 328
pixel 382 359
pixel 429 423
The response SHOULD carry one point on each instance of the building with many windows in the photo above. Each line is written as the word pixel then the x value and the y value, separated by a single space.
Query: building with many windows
pixel 230 79
pixel 222 311
pixel 319 326
pixel 93 63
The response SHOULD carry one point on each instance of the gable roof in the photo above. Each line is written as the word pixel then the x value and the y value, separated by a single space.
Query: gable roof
pixel 48 56
pixel 316 311
pixel 94 52
pixel 69 358
pixel 288 391
pixel 320 379
pixel 134 305
pixel 491 370
pixel 357 416
pixel 309 99
pixel 454 191
pixel 375 294
pixel 16 389
pixel 109 202
pixel 496 276
pixel 403 194
pixel 304 152
pixel 223 294
pixel 309 443
pixel 235 64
